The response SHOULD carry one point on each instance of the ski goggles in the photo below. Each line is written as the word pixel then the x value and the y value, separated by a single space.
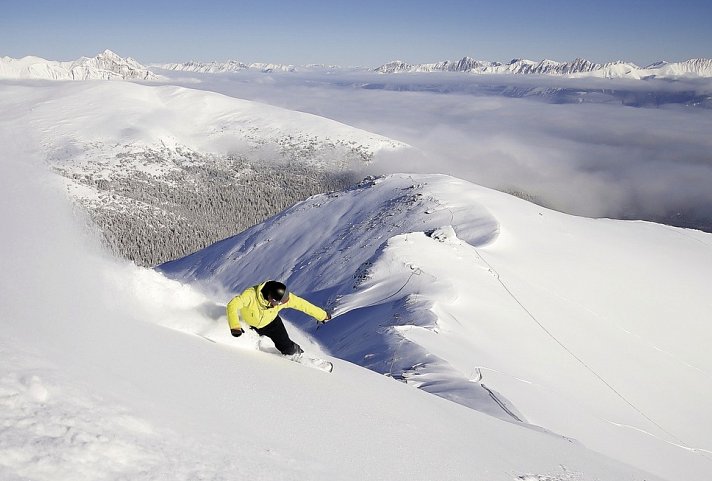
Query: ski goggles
pixel 285 298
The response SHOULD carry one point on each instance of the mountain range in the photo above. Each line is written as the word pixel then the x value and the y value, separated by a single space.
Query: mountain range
pixel 110 66
pixel 228 66
pixel 577 68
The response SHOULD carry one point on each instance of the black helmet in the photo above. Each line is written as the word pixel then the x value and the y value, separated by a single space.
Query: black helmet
pixel 275 292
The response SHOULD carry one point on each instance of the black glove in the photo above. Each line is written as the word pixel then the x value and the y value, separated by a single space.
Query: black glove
pixel 237 332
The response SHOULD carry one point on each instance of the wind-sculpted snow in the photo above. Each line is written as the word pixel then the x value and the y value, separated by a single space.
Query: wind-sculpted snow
pixel 317 250
pixel 526 314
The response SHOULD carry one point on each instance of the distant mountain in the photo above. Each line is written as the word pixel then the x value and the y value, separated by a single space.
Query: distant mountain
pixel 206 67
pixel 110 66
pixel 229 66
pixel 701 67
pixel 105 66
pixel 237 66
pixel 577 67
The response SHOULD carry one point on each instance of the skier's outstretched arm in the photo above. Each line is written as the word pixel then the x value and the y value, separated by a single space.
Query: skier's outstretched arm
pixel 307 307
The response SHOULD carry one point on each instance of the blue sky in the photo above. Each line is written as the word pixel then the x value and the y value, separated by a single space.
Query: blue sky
pixel 366 32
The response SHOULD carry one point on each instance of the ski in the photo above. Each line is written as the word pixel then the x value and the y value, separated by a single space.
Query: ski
pixel 306 360
pixel 315 363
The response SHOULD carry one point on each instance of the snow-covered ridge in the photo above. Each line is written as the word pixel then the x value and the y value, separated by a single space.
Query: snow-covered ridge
pixel 517 311
pixel 578 67
pixel 105 66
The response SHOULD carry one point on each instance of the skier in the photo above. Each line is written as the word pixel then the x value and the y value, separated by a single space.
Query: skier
pixel 259 307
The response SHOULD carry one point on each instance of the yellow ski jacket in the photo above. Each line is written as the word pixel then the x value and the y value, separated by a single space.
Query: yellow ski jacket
pixel 256 311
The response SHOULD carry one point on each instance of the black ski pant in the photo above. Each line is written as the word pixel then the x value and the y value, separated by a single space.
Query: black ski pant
pixel 276 331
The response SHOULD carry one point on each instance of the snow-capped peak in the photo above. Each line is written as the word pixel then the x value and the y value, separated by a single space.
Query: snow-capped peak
pixel 110 66
pixel 107 65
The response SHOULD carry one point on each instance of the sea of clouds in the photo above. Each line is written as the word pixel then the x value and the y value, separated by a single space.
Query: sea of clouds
pixel 631 149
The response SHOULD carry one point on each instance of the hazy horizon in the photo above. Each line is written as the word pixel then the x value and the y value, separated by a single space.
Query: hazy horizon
pixel 366 33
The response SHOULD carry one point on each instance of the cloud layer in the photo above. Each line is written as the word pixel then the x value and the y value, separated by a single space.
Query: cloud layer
pixel 595 157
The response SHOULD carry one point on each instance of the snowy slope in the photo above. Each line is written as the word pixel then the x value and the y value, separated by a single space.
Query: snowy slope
pixel 91 387
pixel 79 115
pixel 80 122
pixel 131 152
pixel 105 66
pixel 594 329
